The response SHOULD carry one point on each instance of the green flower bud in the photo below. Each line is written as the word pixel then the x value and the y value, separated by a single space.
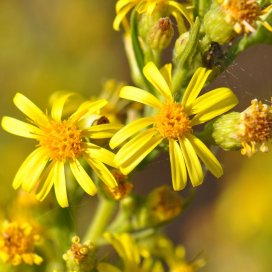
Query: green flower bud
pixel 161 34
pixel 180 46
pixel 215 25
pixel 225 130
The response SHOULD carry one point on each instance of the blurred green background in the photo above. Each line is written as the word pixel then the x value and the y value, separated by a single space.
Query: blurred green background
pixel 49 45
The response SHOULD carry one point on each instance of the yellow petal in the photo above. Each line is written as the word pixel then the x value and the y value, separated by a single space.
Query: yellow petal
pixel 100 154
pixel 131 147
pixel 141 153
pixel 57 107
pixel 27 167
pixel 20 128
pixel 179 7
pixel 102 131
pixel 154 76
pixel 83 178
pixel 48 182
pixel 126 132
pixel 178 168
pixel 139 95
pixel 213 104
pixel 60 184
pixel 206 156
pixel 166 72
pixel 121 11
pixel 195 86
pixel 192 162
pixel 101 171
pixel 30 109
pixel 87 108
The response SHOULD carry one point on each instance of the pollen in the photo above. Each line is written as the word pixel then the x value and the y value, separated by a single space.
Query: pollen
pixel 62 141
pixel 243 13
pixel 17 242
pixel 255 128
pixel 172 122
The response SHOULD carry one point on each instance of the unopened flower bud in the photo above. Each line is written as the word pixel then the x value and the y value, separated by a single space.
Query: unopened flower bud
pixel 216 27
pixel 180 45
pixel 225 131
pixel 161 34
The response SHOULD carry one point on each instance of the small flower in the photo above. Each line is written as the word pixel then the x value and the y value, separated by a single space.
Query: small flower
pixel 255 128
pixel 123 7
pixel 172 121
pixel 61 142
pixel 80 257
pixel 244 14
pixel 17 241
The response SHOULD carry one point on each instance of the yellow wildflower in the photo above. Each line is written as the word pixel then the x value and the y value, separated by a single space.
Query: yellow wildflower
pixel 123 7
pixel 17 241
pixel 244 14
pixel 60 142
pixel 255 128
pixel 172 121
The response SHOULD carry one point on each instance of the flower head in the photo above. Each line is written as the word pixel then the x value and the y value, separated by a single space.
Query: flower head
pixel 61 142
pixel 123 7
pixel 244 14
pixel 17 241
pixel 172 121
pixel 255 127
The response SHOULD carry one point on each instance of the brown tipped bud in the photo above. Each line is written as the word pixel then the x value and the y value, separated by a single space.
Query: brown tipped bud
pixel 161 34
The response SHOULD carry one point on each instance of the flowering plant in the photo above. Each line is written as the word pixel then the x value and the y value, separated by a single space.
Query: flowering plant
pixel 99 143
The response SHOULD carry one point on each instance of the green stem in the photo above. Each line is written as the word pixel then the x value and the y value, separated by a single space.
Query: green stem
pixel 101 220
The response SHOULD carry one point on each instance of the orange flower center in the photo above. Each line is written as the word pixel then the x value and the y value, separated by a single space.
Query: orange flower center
pixel 256 126
pixel 241 12
pixel 173 122
pixel 62 141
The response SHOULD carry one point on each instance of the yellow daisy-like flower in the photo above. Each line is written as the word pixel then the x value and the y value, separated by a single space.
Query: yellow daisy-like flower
pixel 244 14
pixel 17 241
pixel 172 121
pixel 61 142
pixel 123 7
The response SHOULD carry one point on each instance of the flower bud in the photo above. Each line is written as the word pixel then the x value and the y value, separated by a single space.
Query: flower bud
pixel 225 131
pixel 161 34
pixel 180 46
pixel 215 25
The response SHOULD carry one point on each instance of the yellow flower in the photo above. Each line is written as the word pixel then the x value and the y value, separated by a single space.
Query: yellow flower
pixel 61 142
pixel 17 241
pixel 255 128
pixel 172 121
pixel 123 7
pixel 244 14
